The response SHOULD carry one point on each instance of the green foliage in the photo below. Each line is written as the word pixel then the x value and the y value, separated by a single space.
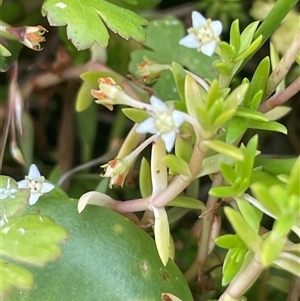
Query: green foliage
pixel 32 240
pixel 197 130
pixel 80 15
pixel 162 46
pixel 102 262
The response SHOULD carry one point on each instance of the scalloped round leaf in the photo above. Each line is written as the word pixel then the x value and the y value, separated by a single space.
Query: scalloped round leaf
pixel 12 199
pixel 162 46
pixel 32 239
pixel 14 276
pixel 104 249
pixel 85 21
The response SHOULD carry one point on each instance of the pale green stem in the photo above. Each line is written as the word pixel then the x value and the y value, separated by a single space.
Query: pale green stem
pixel 206 226
pixel 207 220
pixel 180 182
pixel 283 66
pixel 242 282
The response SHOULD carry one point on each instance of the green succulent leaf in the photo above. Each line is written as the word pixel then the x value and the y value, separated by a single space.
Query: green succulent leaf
pixel 145 178
pixel 275 166
pixel 135 115
pixel 235 35
pixel 248 51
pixel 236 128
pixel 187 202
pixel 232 264
pixel 179 76
pixel 251 114
pixel 87 129
pixel 229 241
pixel 267 126
pixel 275 241
pixel 177 165
pixel 85 21
pixel 250 213
pixel 226 149
pixel 258 81
pixel 293 183
pixel 192 96
pixel 244 231
pixel 84 98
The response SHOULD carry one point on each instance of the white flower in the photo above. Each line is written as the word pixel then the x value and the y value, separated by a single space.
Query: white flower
pixel 35 183
pixel 165 122
pixel 204 34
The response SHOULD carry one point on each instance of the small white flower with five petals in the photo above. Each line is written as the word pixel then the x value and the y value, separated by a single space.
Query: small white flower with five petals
pixel 204 34
pixel 165 122
pixel 35 183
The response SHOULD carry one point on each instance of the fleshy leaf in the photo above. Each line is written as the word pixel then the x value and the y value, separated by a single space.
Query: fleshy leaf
pixel 85 21
pixel 145 178
pixel 245 232
pixel 177 165
pixel 162 234
pixel 229 241
pixel 267 126
pixel 135 115
pixel 232 263
pixel 226 149
pixel 187 202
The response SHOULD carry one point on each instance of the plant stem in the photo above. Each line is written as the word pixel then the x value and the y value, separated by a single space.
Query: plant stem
pixel 280 98
pixel 243 281
pixel 207 220
pixel 180 183
pixel 283 66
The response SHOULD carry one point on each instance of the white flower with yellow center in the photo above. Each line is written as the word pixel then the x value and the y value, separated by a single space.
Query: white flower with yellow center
pixel 165 121
pixel 204 34
pixel 35 183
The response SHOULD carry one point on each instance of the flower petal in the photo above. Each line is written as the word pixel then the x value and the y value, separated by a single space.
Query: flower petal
pixel 34 197
pixel 147 126
pixel 178 118
pixel 169 140
pixel 23 184
pixel 198 20
pixel 157 104
pixel 216 27
pixel 189 41
pixel 209 49
pixel 34 172
pixel 47 187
